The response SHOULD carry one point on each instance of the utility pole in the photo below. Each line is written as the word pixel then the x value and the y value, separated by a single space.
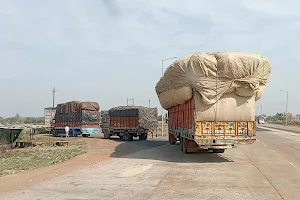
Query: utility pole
pixel 162 109
pixel 130 100
pixel 149 103
pixel 53 98
pixel 286 106
pixel 53 105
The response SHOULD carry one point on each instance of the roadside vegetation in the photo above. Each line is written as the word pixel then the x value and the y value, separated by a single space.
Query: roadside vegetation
pixel 43 154
pixel 17 119
pixel 279 118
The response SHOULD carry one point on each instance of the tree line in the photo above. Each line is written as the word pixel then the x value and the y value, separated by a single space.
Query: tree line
pixel 22 120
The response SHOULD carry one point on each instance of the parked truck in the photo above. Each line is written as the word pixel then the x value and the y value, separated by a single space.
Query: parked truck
pixel 83 118
pixel 210 99
pixel 128 122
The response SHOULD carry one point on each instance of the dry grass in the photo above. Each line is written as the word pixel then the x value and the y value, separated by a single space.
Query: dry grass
pixel 46 139
pixel 16 160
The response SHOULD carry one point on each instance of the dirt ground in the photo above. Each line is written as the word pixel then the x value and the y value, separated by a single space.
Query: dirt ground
pixel 97 148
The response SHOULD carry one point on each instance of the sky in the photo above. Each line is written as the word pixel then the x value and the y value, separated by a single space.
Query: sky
pixel 111 50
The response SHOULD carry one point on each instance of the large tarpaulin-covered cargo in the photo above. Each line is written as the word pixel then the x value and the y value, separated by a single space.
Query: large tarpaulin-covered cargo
pixel 221 81
pixel 86 112
pixel 147 116
pixel 77 106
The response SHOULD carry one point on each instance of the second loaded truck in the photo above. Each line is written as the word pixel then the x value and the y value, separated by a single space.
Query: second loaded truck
pixel 128 122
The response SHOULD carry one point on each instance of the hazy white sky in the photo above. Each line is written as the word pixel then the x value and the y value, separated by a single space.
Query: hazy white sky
pixel 109 50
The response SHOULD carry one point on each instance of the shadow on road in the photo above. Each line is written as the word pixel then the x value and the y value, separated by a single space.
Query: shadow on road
pixel 165 152
pixel 157 148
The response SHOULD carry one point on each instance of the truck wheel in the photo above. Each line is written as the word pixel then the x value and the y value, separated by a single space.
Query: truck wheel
pixel 181 143
pixel 218 150
pixel 143 136
pixel 106 136
pixel 55 133
pixel 130 137
pixel 184 147
pixel 127 136
pixel 170 141
pixel 71 133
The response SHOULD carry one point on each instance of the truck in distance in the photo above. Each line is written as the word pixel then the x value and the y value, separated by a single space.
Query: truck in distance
pixel 83 118
pixel 261 119
pixel 128 122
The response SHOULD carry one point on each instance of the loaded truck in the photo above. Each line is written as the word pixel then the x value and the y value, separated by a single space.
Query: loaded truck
pixel 210 99
pixel 83 118
pixel 128 122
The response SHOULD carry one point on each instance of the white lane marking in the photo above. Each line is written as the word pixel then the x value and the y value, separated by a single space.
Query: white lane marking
pixel 134 170
pixel 263 144
pixel 151 150
pixel 294 165
pixel 279 131
pixel 276 152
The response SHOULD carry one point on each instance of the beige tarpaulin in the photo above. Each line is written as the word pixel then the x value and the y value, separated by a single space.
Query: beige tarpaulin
pixel 212 75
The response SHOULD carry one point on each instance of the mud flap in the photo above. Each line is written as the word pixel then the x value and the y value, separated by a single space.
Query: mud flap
pixel 172 139
pixel 191 146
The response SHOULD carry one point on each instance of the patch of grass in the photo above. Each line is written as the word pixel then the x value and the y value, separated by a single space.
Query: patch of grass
pixel 16 160
pixel 42 138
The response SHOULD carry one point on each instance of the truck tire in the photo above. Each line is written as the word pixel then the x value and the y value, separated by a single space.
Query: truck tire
pixel 184 147
pixel 53 133
pixel 218 150
pixel 171 142
pixel 181 143
pixel 143 136
pixel 71 133
pixel 128 136
pixel 106 135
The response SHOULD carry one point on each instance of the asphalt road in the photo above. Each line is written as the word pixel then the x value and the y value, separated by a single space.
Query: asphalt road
pixel 269 169
pixel 282 128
